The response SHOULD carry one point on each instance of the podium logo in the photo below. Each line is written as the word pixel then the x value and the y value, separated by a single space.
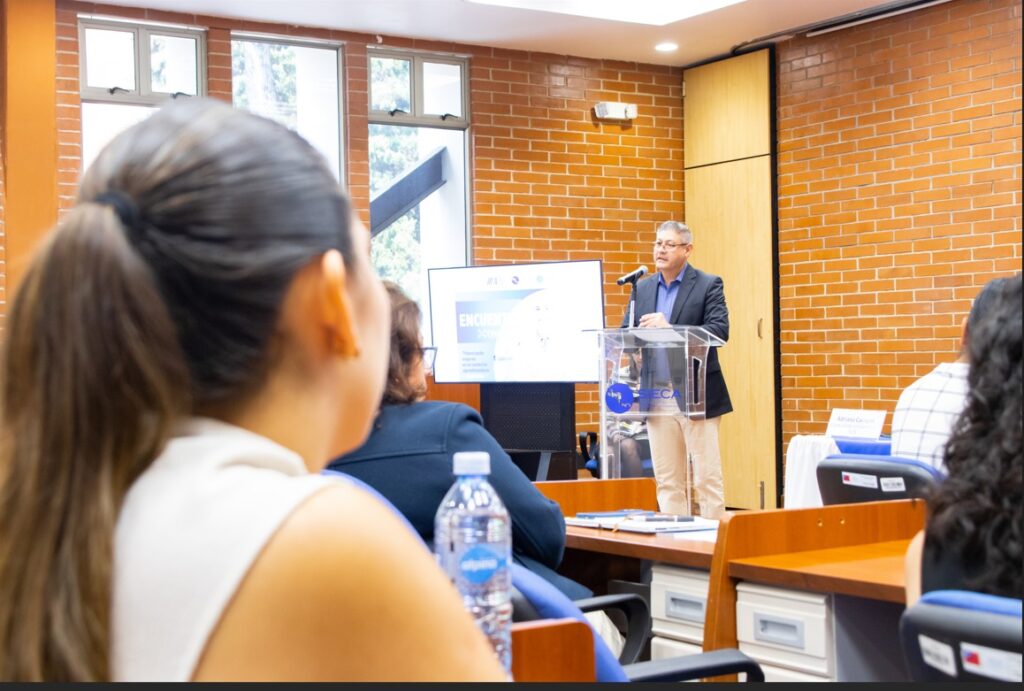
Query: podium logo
pixel 618 398
pixel 658 393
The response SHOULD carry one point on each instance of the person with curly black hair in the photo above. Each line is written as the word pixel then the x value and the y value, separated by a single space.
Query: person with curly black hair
pixel 972 538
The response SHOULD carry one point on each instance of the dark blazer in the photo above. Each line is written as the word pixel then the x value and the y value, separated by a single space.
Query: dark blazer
pixel 700 301
pixel 408 459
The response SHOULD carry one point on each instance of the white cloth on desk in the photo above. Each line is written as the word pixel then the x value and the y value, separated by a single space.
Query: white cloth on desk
pixel 801 480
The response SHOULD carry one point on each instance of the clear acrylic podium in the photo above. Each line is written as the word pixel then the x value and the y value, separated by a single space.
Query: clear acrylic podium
pixel 646 373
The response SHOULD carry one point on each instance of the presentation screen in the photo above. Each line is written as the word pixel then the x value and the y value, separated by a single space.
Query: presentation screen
pixel 516 322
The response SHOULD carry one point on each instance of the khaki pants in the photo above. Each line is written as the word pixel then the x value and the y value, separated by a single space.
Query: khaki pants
pixel 674 439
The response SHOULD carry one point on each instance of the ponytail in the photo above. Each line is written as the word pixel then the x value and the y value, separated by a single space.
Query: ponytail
pixel 94 377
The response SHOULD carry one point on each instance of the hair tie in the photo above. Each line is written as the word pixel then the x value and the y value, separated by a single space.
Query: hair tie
pixel 125 209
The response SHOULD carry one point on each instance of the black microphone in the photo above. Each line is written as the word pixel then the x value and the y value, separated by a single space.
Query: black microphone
pixel 632 276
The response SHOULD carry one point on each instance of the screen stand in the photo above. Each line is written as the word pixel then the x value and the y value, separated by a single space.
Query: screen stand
pixel 531 419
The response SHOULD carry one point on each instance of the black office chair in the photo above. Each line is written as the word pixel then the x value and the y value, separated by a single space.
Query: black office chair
pixel 849 478
pixel 956 635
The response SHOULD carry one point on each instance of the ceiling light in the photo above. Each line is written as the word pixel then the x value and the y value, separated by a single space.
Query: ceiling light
pixel 655 12
pixel 666 47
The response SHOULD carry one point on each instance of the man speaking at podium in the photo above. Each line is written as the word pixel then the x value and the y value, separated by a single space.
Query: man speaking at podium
pixel 678 294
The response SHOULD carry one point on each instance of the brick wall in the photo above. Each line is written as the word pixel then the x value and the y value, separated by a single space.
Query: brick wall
pixel 899 178
pixel 899 196
pixel 550 182
pixel 69 108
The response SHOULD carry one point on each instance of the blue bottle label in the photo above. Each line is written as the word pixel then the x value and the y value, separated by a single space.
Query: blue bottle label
pixel 478 564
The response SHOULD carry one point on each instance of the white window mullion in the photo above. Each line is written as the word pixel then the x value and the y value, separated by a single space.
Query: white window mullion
pixel 144 70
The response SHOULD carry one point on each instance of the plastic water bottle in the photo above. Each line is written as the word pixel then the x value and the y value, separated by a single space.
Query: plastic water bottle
pixel 473 544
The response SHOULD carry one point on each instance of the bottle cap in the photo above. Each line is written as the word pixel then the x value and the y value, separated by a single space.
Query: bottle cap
pixel 471 463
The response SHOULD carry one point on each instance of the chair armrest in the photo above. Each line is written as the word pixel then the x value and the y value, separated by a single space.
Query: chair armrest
pixel 711 664
pixel 638 618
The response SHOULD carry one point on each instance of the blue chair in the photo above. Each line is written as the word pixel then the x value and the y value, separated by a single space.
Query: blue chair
pixel 964 636
pixel 849 478
pixel 590 453
pixel 878 447
pixel 551 603
pixel 637 614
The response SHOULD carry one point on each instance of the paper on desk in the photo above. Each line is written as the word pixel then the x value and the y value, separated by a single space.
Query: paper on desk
pixel 658 335
pixel 697 525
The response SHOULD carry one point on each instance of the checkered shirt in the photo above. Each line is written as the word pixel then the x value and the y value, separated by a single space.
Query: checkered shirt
pixel 926 412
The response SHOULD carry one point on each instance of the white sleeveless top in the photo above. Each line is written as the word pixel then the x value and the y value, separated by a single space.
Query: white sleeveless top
pixel 191 527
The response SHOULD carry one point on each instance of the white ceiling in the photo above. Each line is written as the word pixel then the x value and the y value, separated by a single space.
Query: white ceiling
pixel 699 38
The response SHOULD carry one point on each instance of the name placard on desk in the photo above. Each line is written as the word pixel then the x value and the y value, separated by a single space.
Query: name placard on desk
pixel 862 424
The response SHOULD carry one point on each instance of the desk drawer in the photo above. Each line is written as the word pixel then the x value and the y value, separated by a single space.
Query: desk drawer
pixel 678 602
pixel 782 674
pixel 662 648
pixel 786 628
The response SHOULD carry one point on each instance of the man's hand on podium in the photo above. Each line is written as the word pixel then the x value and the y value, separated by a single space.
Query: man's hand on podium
pixel 654 320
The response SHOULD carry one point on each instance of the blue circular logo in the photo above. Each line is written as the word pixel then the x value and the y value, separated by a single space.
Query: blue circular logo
pixel 618 398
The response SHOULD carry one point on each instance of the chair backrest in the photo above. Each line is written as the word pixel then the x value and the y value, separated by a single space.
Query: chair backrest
pixel 881 446
pixel 849 478
pixel 956 634
pixel 550 603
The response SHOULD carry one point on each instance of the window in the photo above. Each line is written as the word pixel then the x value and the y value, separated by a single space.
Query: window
pixel 408 88
pixel 295 83
pixel 127 69
pixel 418 120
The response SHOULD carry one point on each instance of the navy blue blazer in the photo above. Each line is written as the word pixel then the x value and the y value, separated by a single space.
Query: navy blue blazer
pixel 700 301
pixel 408 459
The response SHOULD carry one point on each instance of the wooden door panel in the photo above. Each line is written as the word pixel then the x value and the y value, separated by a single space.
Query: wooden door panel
pixel 728 207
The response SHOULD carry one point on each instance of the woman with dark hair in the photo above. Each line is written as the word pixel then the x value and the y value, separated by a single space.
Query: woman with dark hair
pixel 972 539
pixel 408 459
pixel 175 363
pixel 408 456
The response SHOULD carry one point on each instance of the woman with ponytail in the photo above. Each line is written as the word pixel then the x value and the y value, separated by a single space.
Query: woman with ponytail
pixel 192 343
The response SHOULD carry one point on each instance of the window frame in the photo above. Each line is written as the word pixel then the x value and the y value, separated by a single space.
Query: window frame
pixel 417 117
pixel 339 48
pixel 143 94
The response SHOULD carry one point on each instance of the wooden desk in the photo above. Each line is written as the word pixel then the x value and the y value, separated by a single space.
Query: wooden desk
pixel 873 571
pixel 853 552
pixel 574 496
pixel 842 532
pixel 669 548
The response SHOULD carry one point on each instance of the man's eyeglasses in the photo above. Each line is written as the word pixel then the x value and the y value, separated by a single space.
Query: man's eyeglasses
pixel 658 244
pixel 428 355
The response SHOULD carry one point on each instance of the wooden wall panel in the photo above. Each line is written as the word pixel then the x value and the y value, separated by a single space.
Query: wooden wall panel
pixel 29 131
pixel 729 207
pixel 726 110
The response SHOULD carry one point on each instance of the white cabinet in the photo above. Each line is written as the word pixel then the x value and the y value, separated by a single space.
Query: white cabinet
pixel 662 648
pixel 786 629
pixel 679 599
pixel 801 635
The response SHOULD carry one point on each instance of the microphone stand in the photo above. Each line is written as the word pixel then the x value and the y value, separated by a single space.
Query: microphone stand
pixel 632 303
